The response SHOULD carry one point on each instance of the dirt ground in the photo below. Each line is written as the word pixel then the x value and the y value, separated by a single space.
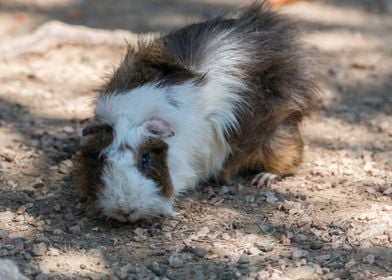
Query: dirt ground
pixel 332 220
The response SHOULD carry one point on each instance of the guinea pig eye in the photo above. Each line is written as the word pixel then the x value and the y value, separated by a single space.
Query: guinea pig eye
pixel 145 162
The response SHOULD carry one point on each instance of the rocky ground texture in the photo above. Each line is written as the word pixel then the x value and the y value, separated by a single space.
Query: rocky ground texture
pixel 333 220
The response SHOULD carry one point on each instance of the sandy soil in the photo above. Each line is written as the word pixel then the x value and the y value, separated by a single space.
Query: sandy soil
pixel 333 220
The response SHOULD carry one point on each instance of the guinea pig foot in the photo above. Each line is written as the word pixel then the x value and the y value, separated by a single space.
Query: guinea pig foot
pixel 263 179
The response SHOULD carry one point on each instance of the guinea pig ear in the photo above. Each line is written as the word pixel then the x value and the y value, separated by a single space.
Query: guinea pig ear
pixel 158 128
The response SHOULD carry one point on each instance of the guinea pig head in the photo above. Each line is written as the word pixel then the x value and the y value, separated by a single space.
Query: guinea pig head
pixel 132 178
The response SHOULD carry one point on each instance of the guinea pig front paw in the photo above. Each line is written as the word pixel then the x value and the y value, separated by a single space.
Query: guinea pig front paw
pixel 264 179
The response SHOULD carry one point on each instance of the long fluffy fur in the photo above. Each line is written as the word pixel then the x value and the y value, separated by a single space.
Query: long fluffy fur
pixel 233 90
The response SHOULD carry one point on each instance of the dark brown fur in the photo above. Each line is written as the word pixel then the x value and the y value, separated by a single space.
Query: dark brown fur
pixel 158 169
pixel 90 163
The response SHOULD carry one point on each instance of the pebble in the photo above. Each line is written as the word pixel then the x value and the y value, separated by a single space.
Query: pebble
pixel 387 191
pixel 66 166
pixel 270 197
pixel 38 183
pixel 21 210
pixel 29 205
pixel 298 253
pixel 250 198
pixel 3 233
pixel 39 249
pixel 74 229
pixel 369 259
pixel 18 244
pixel 57 231
pixel 41 276
pixel 68 129
pixel 350 264
pixel 175 261
pixel 253 251
pixel 41 238
pixel 304 221
pixel 8 155
pixel 224 190
pixel 300 238
pixel 27 256
pixel 120 273
pixel 53 252
pixel 302 272
pixel 316 245
pixel 155 267
pixel 244 259
pixel 198 252
pixel 204 231
pixel 6 217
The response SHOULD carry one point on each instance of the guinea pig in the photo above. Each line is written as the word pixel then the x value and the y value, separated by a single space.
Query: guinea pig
pixel 203 102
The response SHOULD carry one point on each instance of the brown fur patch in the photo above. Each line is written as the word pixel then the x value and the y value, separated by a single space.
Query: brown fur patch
pixel 90 163
pixel 150 63
pixel 158 169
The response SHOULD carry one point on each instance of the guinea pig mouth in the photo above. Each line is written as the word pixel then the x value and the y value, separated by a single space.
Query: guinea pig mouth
pixel 135 215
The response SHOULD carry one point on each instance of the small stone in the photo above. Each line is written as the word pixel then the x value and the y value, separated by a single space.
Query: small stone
pixel 74 229
pixel 68 129
pixel 369 259
pixel 8 155
pixel 66 166
pixel 316 245
pixel 6 217
pixel 285 240
pixel 298 254
pixel 350 264
pixel 18 244
pixel 39 249
pixel 253 251
pixel 155 267
pixel 38 183
pixel 175 261
pixel 8 247
pixel 19 218
pixel 270 197
pixel 199 252
pixel 40 276
pixel 300 238
pixel 204 231
pixel 304 221
pixel 27 256
pixel 53 252
pixel 121 273
pixel 57 208
pixel 266 247
pixel 224 190
pixel 83 266
pixel 387 191
pixel 29 205
pixel 57 231
pixel 41 238
pixel 244 259
pixel 21 210
pixel 69 217
pixel 250 198
pixel 302 272
pixel 3 233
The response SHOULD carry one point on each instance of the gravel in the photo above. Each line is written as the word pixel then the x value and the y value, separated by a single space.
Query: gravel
pixel 329 221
